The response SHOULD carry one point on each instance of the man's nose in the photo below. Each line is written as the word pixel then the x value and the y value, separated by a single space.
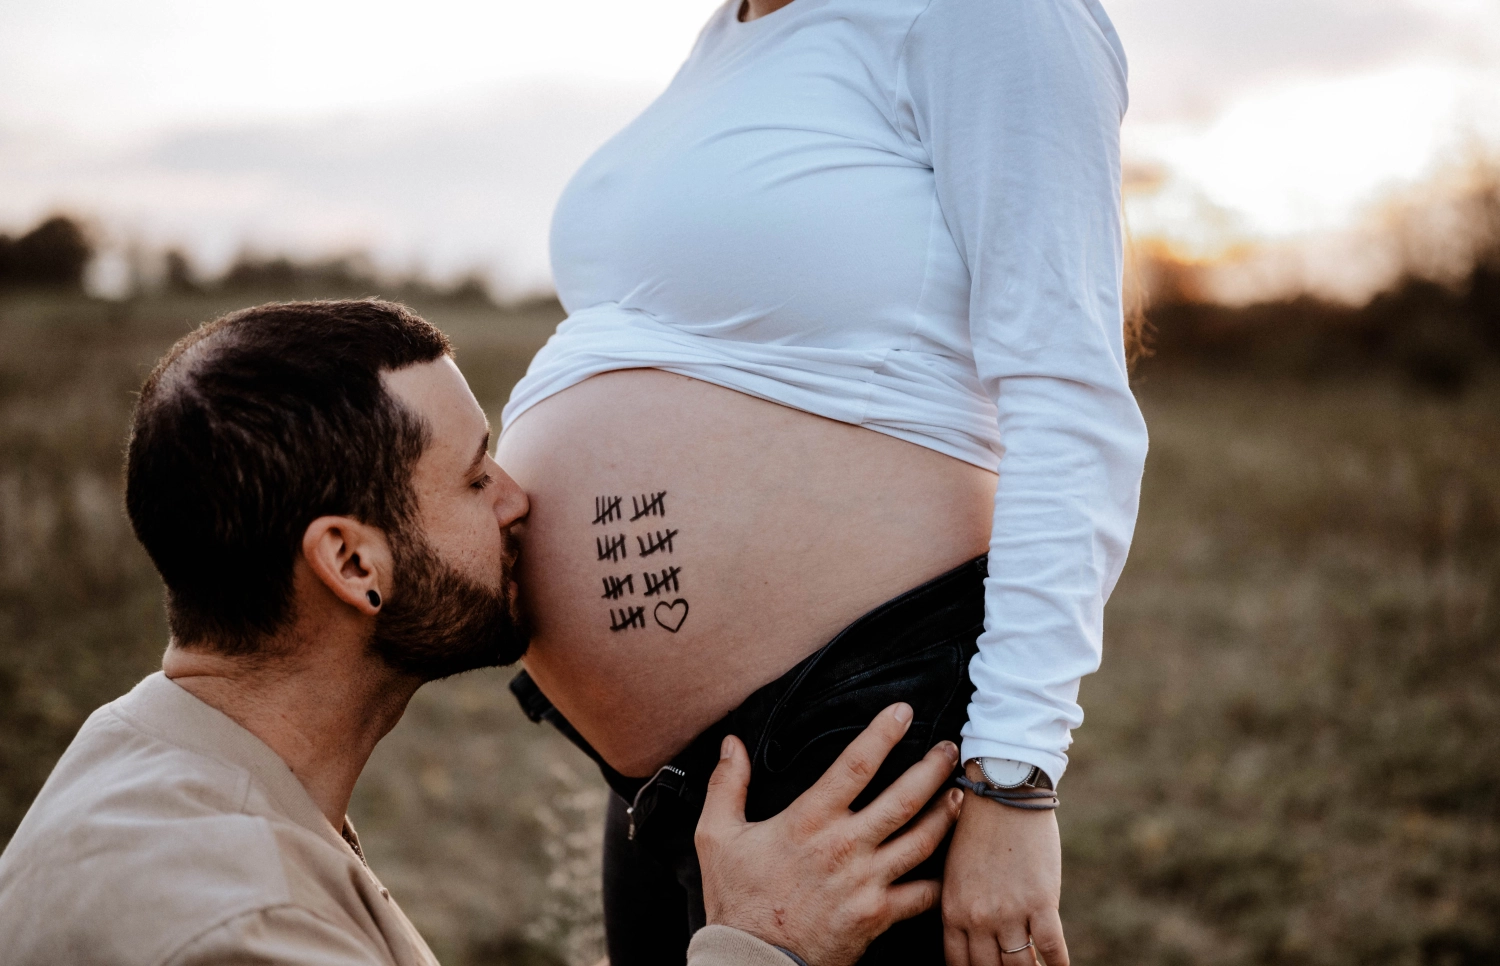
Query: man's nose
pixel 511 503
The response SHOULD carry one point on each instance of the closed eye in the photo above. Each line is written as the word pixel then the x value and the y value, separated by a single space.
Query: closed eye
pixel 483 482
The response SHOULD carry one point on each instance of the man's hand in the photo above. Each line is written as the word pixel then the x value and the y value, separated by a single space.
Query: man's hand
pixel 1001 887
pixel 816 879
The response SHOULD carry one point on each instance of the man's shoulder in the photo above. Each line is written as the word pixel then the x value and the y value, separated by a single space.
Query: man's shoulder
pixel 134 845
pixel 122 781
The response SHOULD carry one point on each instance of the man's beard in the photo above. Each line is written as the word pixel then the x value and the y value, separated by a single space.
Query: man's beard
pixel 439 622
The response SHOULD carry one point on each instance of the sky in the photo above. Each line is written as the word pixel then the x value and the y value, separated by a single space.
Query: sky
pixel 436 136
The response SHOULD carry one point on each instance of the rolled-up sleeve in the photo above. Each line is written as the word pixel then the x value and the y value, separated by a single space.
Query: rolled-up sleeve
pixel 1018 104
pixel 723 946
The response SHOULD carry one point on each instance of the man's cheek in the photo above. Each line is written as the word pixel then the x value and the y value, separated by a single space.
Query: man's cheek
pixel 495 559
pixel 508 560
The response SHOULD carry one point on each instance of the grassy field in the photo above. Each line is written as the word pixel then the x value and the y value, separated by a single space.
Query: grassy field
pixel 1292 754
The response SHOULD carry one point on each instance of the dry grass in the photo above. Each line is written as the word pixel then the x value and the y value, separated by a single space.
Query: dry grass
pixel 1292 754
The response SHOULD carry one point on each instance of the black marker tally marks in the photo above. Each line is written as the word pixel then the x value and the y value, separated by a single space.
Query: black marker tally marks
pixel 649 505
pixel 611 548
pixel 606 509
pixel 616 586
pixel 667 581
pixel 652 542
pixel 627 617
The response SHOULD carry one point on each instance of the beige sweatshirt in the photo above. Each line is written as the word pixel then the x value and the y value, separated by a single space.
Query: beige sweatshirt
pixel 168 834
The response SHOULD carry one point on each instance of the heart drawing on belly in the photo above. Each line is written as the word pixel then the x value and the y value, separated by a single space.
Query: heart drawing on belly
pixel 671 615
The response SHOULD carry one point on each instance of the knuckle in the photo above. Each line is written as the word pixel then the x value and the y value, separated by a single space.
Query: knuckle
pixel 925 898
pixel 1048 944
pixel 806 825
pixel 965 913
pixel 870 914
pixel 836 850
pixel 914 851
pixel 861 767
pixel 907 803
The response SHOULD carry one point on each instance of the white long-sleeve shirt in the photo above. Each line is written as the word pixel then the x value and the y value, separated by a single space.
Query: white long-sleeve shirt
pixel 905 215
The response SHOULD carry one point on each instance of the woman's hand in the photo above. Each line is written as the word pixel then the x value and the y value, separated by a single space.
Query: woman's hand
pixel 1001 886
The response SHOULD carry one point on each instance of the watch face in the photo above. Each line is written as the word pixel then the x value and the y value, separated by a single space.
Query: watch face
pixel 1005 772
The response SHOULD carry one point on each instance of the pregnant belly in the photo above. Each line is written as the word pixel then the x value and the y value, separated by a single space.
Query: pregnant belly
pixel 688 544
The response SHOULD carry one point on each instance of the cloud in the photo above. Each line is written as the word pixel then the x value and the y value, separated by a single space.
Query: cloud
pixel 459 187
pixel 1189 58
pixel 457 184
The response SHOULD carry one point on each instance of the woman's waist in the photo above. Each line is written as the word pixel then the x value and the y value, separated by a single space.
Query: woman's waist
pixel 688 544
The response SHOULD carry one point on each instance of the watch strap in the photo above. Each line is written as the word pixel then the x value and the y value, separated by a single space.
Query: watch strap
pixel 1030 799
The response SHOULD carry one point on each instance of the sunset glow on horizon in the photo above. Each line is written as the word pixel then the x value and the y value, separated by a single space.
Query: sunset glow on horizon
pixel 1308 156
pixel 208 125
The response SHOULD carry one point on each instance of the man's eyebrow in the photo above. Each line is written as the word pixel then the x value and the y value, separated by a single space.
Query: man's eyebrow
pixel 484 450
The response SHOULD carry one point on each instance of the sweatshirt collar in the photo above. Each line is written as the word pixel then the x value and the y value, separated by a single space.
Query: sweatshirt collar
pixel 166 710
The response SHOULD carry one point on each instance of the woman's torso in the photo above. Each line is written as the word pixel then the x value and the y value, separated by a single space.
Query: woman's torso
pixel 746 534
pixel 897 216
pixel 771 224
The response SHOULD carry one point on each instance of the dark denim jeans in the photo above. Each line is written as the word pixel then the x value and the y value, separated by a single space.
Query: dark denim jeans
pixel 914 648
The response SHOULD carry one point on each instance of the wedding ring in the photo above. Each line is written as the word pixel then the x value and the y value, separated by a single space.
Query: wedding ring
pixel 1018 949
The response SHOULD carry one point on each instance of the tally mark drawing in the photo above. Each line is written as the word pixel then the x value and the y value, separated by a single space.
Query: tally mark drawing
pixel 657 584
pixel 606 508
pixel 652 542
pixel 649 506
pixel 615 586
pixel 611 548
pixel 619 620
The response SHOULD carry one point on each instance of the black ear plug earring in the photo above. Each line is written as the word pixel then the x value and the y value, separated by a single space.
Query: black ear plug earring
pixel 374 598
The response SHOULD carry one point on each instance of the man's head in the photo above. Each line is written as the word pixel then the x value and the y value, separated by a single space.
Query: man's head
pixel 325 456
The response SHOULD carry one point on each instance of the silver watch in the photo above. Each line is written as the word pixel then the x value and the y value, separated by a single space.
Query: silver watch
pixel 1007 773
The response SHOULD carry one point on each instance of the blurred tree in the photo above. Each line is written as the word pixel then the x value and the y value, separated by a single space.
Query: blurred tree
pixel 1484 280
pixel 472 289
pixel 181 278
pixel 251 273
pixel 340 276
pixel 54 254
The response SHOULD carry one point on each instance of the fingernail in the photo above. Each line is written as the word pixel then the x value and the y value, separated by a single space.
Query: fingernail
pixel 949 749
pixel 727 748
pixel 903 712
pixel 955 797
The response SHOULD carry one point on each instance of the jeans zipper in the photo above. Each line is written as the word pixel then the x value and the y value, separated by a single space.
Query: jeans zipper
pixel 630 809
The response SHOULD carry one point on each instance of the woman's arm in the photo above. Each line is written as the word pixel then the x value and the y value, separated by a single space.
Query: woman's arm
pixel 1018 105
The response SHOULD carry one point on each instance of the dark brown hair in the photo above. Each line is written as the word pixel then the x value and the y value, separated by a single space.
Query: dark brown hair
pixel 250 428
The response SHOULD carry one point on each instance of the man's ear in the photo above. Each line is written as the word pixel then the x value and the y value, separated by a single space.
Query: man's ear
pixel 352 559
